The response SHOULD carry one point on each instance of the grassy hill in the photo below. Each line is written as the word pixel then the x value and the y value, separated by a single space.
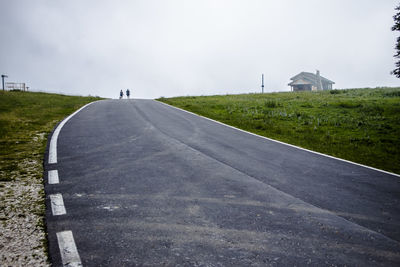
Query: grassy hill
pixel 26 119
pixel 361 125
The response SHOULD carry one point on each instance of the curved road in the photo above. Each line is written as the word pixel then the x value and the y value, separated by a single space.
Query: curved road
pixel 147 184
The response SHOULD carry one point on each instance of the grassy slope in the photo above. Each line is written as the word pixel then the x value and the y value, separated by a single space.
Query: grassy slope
pixel 361 125
pixel 26 119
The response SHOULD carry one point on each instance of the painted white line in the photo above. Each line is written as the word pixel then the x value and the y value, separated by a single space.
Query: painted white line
pixel 280 142
pixel 53 177
pixel 54 137
pixel 57 204
pixel 69 252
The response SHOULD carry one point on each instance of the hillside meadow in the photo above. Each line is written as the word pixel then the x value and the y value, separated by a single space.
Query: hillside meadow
pixel 26 119
pixel 360 125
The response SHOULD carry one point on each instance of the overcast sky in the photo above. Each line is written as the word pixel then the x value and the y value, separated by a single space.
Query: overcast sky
pixel 184 47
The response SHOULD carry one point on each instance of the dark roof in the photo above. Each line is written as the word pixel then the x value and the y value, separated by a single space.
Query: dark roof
pixel 310 77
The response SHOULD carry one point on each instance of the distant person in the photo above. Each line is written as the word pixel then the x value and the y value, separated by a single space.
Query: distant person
pixel 128 93
pixel 121 94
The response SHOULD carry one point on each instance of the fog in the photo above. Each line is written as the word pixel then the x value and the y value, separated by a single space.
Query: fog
pixel 182 47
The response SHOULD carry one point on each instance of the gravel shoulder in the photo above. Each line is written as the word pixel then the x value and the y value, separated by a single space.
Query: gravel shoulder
pixel 23 240
pixel 26 118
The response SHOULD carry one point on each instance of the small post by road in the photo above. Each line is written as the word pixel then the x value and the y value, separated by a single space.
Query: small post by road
pixel 262 83
pixel 2 79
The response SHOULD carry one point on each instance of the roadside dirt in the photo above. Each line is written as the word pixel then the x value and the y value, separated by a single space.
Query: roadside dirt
pixel 23 239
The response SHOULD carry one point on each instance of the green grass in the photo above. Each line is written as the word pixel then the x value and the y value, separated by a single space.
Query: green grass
pixel 361 125
pixel 26 118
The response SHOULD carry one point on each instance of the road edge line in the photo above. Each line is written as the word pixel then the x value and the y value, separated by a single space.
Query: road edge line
pixel 69 252
pixel 283 143
pixel 53 177
pixel 57 204
pixel 54 137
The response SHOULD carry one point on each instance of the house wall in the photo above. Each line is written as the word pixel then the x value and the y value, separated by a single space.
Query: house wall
pixel 309 87
pixel 326 86
pixel 302 87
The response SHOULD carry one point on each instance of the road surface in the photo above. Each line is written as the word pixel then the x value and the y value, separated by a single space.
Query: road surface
pixel 143 183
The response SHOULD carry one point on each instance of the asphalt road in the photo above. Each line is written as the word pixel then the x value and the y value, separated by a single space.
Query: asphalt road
pixel 147 184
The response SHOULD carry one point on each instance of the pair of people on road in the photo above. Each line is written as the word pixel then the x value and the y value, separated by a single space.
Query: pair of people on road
pixel 121 94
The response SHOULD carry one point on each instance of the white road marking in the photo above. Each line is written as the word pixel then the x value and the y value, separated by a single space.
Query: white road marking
pixel 69 253
pixel 280 142
pixel 68 250
pixel 54 137
pixel 110 208
pixel 53 177
pixel 57 204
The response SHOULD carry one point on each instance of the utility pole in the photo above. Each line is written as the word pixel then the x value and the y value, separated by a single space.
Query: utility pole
pixel 262 83
pixel 2 79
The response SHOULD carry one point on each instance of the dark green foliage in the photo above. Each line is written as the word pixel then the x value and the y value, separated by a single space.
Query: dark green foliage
pixel 335 91
pixel 361 125
pixel 271 104
pixel 392 94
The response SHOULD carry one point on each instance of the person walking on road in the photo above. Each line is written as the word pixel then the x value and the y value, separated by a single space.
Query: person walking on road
pixel 128 93
pixel 121 94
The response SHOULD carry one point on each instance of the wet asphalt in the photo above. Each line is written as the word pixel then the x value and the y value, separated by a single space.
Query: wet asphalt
pixel 145 184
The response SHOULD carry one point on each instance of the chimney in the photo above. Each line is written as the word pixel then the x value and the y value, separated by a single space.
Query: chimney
pixel 319 82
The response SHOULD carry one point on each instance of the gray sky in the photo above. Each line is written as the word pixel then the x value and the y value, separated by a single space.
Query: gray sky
pixel 184 47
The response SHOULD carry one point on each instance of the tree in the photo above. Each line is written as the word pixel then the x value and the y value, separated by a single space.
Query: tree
pixel 396 27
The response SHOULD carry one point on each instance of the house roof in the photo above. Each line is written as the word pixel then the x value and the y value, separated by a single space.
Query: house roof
pixel 308 78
